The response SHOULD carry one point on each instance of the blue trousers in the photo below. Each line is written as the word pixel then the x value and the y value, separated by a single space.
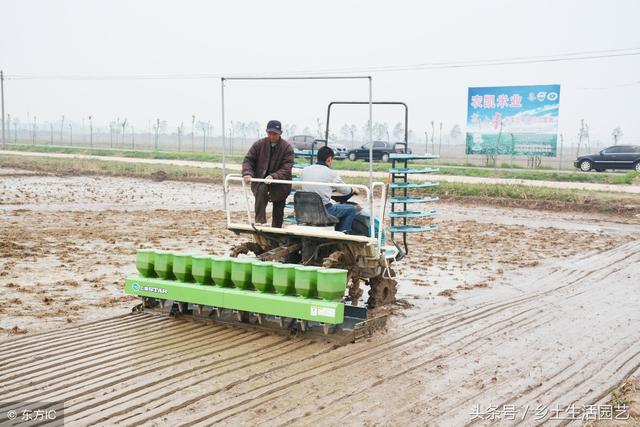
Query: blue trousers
pixel 344 212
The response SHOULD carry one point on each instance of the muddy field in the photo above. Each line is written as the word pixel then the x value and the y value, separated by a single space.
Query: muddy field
pixel 500 307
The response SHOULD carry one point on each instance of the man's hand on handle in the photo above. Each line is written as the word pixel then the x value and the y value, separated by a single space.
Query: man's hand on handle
pixel 247 179
pixel 269 178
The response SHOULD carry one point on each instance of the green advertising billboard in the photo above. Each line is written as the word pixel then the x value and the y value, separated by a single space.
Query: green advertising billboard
pixel 513 120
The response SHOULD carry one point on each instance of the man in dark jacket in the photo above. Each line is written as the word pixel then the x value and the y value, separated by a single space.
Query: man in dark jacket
pixel 269 158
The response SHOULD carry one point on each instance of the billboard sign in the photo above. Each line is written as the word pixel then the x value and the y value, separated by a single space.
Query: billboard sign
pixel 513 120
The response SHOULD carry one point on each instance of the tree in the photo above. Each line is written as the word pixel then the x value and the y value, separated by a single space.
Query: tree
pixel 617 135
pixel 320 132
pixel 398 132
pixel 455 132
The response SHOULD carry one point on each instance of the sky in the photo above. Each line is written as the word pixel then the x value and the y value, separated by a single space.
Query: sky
pixel 102 39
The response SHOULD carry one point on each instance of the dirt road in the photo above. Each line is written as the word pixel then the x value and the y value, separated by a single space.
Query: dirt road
pixel 634 189
pixel 507 307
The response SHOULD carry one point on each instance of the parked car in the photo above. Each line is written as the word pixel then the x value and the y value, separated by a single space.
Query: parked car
pixel 381 151
pixel 614 157
pixel 340 151
pixel 304 142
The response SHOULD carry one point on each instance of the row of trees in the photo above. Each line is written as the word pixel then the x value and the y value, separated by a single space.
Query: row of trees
pixel 195 134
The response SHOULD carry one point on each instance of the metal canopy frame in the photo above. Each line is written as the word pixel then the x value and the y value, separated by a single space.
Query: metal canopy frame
pixel 223 80
pixel 405 142
pixel 406 115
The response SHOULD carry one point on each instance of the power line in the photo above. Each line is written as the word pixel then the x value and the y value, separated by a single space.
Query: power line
pixel 571 56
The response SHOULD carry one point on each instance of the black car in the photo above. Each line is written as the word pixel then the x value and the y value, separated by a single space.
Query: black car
pixel 381 151
pixel 615 157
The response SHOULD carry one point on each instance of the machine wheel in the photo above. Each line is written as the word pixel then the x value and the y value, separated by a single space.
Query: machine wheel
pixel 383 291
pixel 245 248
pixel 585 165
pixel 385 157
pixel 352 157
pixel 637 168
pixel 339 259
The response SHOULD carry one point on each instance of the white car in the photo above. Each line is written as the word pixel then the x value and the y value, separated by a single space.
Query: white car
pixel 339 150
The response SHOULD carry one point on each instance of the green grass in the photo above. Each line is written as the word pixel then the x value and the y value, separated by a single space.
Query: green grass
pixel 473 171
pixel 101 167
pixel 137 154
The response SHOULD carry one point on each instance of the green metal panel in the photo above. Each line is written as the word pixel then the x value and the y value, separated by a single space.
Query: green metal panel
pixel 238 299
pixel 182 267
pixel 201 269
pixel 331 283
pixel 144 262
pixel 284 278
pixel 307 281
pixel 163 264
pixel 262 276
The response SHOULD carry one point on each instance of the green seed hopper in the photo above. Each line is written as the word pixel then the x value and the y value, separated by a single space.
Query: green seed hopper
pixel 249 291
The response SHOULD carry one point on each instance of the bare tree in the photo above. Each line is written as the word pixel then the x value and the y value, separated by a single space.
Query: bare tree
pixel 455 132
pixel 193 121
pixel 180 129
pixel 617 135
pixel 61 129
pixel 124 126
pixel 398 132
pixel 204 127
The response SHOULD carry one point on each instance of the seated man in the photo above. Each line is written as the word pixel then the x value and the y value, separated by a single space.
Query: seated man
pixel 321 172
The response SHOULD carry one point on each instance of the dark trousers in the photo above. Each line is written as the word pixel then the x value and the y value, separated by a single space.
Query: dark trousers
pixel 262 199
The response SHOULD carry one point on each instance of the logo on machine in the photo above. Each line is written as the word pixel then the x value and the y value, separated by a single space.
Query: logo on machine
pixel 137 288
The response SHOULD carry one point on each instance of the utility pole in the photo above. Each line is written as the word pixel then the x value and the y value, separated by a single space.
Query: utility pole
pixel 2 101
pixel 62 130
pixel 433 133
pixel 426 142
pixel 51 126
pixel 440 140
pixel 70 134
pixel 90 132
pixel 193 121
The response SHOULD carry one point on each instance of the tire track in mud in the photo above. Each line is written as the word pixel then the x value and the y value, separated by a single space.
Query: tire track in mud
pixel 69 337
pixel 234 339
pixel 58 374
pixel 48 359
pixel 446 351
pixel 585 275
pixel 331 365
pixel 212 376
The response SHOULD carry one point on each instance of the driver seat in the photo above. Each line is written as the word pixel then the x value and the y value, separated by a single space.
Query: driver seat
pixel 310 210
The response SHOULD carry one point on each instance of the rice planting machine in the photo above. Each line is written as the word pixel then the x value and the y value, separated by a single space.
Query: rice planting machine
pixel 305 277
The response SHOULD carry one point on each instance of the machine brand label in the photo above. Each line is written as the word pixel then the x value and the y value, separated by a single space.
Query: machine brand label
pixel 137 288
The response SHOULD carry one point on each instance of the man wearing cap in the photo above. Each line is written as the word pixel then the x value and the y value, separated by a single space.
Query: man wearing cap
pixel 269 158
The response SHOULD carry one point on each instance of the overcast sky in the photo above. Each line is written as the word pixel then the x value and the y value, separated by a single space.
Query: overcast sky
pixel 109 38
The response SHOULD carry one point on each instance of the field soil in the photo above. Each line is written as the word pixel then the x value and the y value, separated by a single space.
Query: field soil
pixel 499 307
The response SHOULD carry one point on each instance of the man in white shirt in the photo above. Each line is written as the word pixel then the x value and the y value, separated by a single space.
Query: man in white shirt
pixel 322 172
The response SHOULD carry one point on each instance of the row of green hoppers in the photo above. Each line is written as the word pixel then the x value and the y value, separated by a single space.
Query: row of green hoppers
pixel 241 284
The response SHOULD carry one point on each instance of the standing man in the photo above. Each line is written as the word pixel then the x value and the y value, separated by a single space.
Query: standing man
pixel 322 172
pixel 269 158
